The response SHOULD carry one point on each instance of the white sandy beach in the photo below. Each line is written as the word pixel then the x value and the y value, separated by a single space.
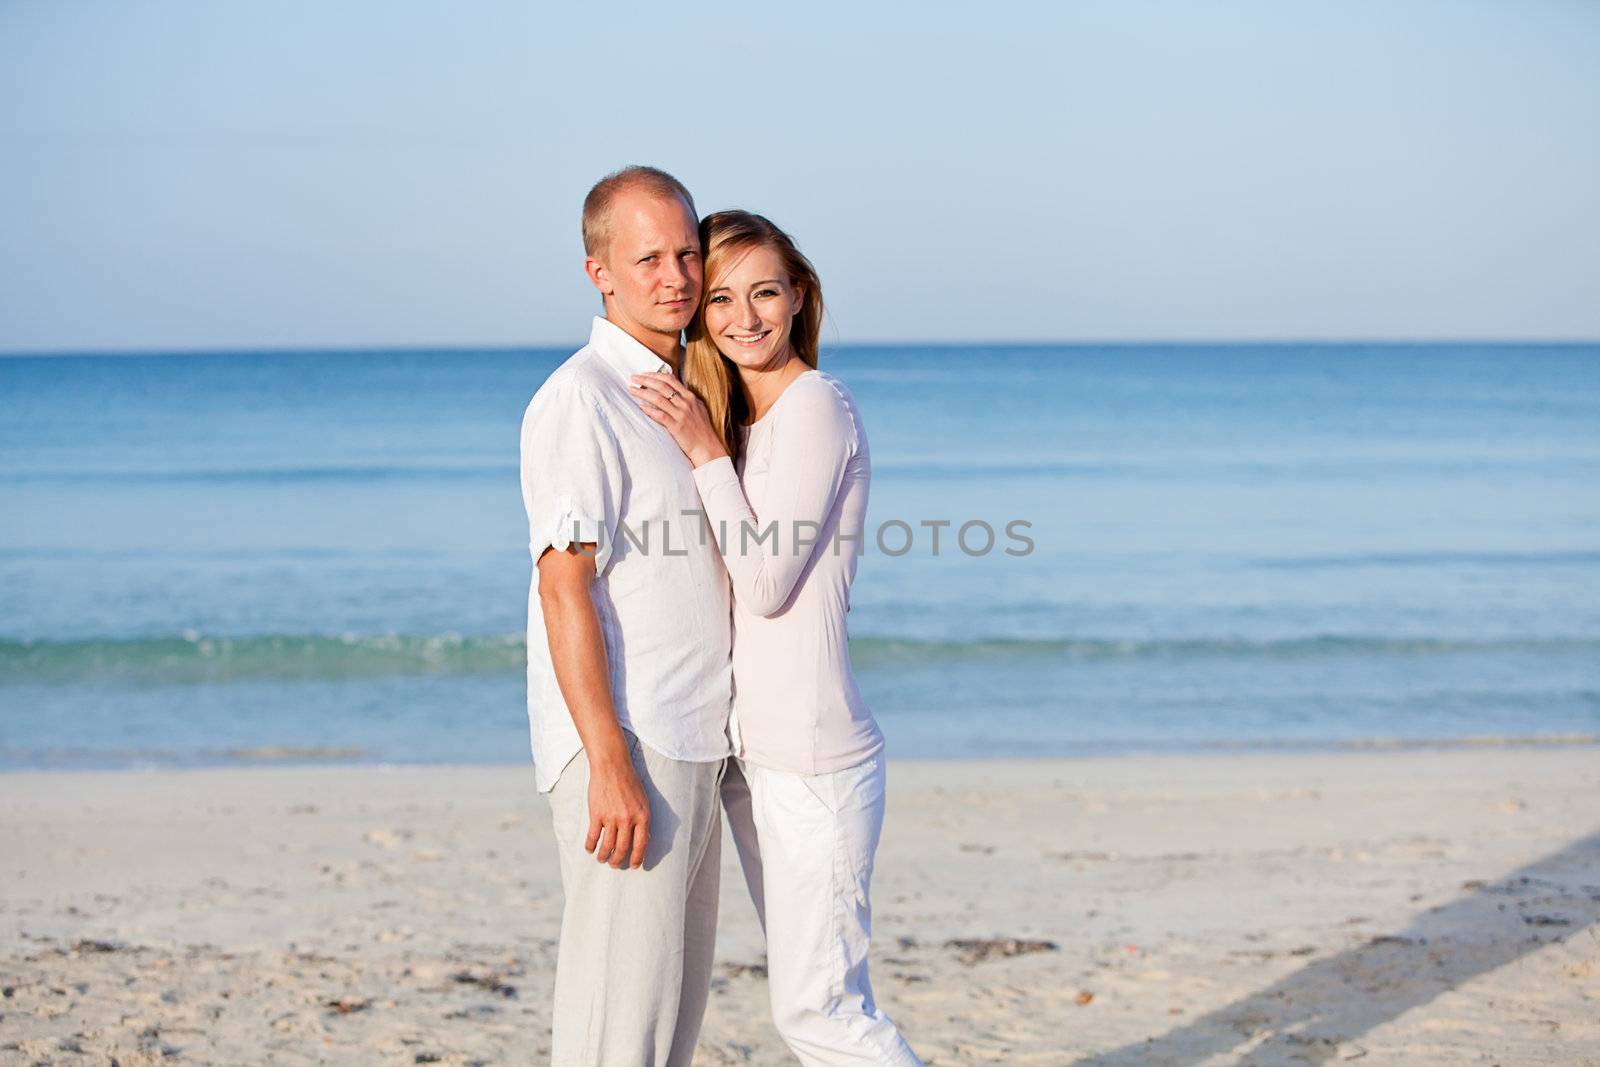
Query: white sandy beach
pixel 1411 907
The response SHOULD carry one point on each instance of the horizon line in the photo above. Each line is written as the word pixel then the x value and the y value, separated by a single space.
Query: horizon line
pixel 508 347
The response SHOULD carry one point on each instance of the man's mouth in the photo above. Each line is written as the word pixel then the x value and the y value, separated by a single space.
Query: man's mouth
pixel 680 302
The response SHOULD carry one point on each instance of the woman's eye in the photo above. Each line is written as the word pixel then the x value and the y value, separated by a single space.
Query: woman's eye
pixel 768 292
pixel 718 299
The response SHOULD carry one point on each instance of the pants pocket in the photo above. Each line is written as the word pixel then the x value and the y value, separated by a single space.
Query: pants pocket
pixel 824 788
pixel 856 788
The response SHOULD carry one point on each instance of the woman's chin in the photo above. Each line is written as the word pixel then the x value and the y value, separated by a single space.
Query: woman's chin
pixel 749 358
pixel 739 358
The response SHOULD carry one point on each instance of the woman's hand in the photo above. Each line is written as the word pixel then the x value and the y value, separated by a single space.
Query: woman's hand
pixel 684 415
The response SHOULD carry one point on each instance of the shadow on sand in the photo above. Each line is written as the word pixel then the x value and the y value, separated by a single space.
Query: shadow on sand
pixel 1313 1015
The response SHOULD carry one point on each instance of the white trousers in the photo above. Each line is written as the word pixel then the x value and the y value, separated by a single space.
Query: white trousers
pixel 633 971
pixel 806 843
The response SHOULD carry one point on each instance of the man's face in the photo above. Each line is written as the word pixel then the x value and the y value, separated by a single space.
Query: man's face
pixel 651 272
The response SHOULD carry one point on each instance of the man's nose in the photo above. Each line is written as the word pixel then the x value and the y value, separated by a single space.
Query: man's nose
pixel 675 277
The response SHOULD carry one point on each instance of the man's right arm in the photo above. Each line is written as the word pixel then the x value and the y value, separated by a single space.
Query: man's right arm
pixel 571 473
pixel 619 811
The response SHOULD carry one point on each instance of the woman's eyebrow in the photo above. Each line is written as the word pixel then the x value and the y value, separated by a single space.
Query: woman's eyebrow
pixel 720 288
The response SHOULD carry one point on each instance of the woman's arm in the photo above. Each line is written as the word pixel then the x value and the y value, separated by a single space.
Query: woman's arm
pixel 813 440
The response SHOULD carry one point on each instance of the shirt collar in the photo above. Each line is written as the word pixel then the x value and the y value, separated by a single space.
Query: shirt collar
pixel 621 352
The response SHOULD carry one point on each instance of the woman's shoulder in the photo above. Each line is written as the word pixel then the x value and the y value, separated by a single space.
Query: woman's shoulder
pixel 820 392
pixel 835 385
pixel 818 398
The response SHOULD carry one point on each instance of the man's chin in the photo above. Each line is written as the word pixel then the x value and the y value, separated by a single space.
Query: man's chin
pixel 674 323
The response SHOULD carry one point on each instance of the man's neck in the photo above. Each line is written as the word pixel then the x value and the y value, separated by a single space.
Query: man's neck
pixel 668 347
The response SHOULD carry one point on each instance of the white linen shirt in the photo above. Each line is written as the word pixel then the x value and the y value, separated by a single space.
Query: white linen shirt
pixel 791 519
pixel 597 468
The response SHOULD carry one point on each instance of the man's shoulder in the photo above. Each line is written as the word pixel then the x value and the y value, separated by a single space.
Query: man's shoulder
pixel 577 381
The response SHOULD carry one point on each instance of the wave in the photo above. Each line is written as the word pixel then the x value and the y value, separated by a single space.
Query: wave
pixel 193 658
pixel 1558 557
pixel 883 650
pixel 269 475
pixel 1436 558
pixel 1188 466
pixel 78 758
pixel 920 467
pixel 81 756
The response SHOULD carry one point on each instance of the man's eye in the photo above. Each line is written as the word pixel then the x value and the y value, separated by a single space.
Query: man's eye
pixel 648 259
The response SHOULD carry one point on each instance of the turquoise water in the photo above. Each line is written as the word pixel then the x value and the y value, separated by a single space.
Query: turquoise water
pixel 254 556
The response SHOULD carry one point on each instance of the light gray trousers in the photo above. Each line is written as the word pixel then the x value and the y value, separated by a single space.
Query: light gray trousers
pixel 634 968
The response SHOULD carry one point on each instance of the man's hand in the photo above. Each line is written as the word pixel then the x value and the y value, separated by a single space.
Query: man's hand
pixel 619 812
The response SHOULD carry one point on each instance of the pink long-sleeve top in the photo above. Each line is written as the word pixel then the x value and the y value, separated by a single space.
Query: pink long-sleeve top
pixel 790 523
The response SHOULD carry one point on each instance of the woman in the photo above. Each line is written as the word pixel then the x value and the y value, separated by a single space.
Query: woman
pixel 782 466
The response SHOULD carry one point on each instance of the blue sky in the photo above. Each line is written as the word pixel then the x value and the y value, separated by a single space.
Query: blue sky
pixel 192 175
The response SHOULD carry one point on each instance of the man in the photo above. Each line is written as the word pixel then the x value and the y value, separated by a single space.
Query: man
pixel 629 677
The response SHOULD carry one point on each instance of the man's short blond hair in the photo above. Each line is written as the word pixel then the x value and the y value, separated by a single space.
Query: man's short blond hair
pixel 597 205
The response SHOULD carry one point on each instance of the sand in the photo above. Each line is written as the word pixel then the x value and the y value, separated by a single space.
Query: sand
pixel 1411 907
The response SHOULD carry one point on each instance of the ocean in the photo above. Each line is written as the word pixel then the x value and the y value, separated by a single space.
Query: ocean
pixel 312 556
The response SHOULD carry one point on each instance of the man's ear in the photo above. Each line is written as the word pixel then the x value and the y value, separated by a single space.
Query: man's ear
pixel 598 275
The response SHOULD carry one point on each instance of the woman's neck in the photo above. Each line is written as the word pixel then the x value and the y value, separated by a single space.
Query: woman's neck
pixel 763 385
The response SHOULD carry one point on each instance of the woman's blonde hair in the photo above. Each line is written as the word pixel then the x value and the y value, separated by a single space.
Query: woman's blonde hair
pixel 726 236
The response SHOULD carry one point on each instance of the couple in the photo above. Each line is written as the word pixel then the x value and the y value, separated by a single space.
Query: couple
pixel 695 512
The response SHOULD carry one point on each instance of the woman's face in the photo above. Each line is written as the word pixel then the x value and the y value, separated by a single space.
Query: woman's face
pixel 749 309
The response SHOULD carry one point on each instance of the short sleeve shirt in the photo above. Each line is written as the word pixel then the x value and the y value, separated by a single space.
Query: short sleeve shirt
pixel 595 468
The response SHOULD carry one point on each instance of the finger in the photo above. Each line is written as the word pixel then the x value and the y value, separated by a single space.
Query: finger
pixel 664 386
pixel 649 383
pixel 621 847
pixel 593 839
pixel 608 839
pixel 658 378
pixel 641 838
